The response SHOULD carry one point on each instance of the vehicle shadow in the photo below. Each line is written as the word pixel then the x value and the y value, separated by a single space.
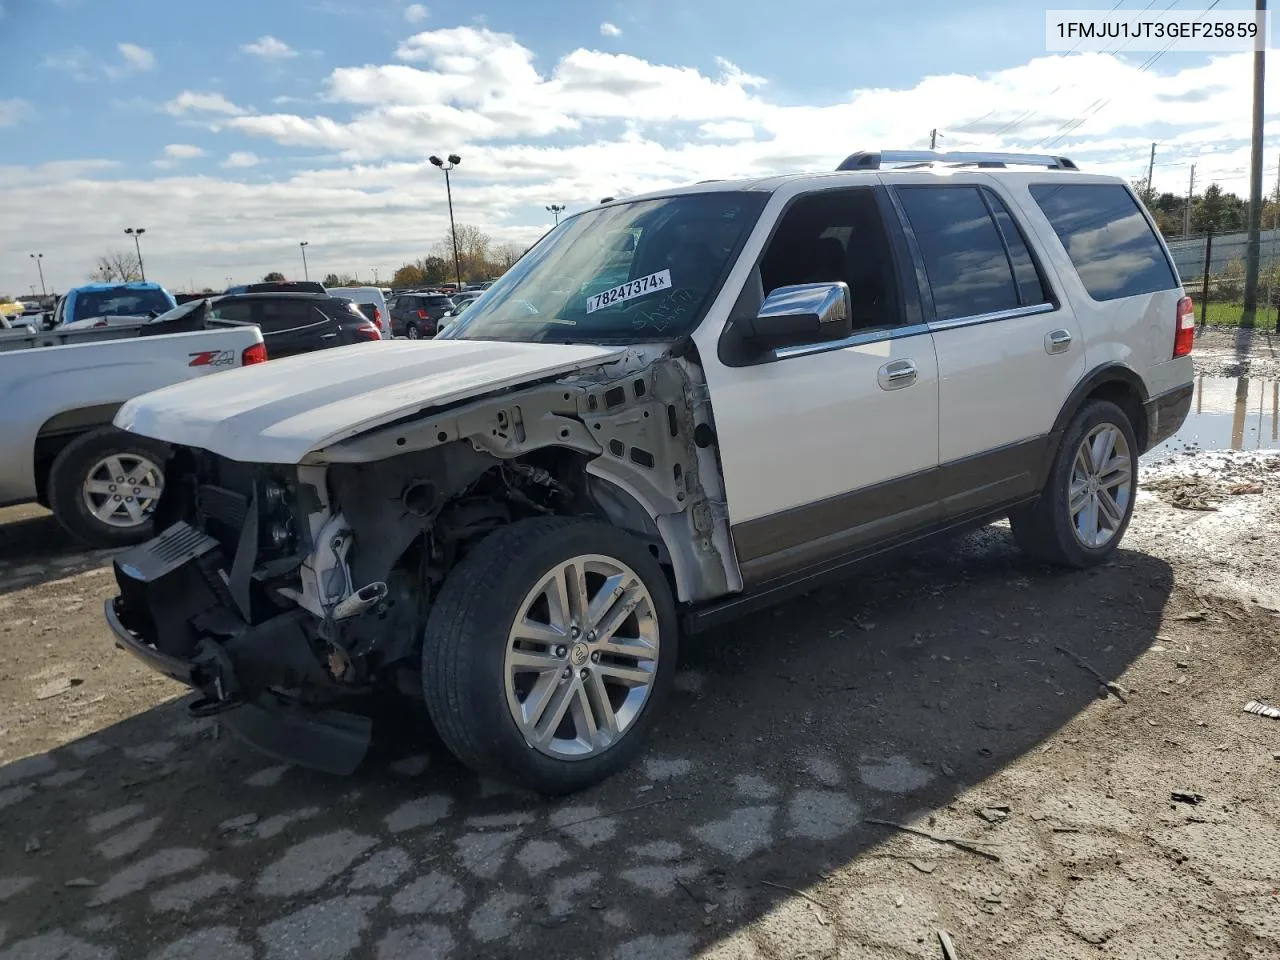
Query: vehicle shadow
pixel 34 549
pixel 883 698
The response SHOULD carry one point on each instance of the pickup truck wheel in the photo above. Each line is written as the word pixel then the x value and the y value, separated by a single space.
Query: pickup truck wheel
pixel 548 652
pixel 104 486
pixel 1087 502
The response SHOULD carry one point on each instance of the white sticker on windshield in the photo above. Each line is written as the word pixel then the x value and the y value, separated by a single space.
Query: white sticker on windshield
pixel 639 287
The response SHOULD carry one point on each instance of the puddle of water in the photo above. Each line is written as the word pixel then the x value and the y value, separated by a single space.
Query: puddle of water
pixel 1227 414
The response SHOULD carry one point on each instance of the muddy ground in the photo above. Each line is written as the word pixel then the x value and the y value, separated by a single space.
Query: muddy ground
pixel 941 693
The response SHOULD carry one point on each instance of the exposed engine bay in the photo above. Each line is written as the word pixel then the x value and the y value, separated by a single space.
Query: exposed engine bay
pixel 311 582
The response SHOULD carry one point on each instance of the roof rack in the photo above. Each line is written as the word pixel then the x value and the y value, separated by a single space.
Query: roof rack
pixel 872 159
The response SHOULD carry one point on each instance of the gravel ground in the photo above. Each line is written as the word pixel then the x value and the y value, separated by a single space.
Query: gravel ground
pixel 942 693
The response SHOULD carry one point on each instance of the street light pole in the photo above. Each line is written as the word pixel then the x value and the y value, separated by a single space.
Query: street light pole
pixel 136 233
pixel 555 210
pixel 37 257
pixel 453 160
pixel 302 245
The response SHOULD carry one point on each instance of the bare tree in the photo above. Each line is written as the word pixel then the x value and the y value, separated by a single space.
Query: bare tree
pixel 118 266
pixel 505 256
pixel 473 250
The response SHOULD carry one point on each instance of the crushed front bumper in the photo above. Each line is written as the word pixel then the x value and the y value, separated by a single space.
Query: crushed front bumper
pixel 173 614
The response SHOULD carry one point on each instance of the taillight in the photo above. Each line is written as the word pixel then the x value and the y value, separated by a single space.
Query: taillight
pixel 422 315
pixel 1184 336
pixel 255 354
pixel 367 331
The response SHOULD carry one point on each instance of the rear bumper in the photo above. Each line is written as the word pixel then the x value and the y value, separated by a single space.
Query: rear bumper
pixel 1166 413
pixel 171 618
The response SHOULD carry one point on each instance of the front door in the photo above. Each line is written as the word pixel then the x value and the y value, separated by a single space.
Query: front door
pixel 831 447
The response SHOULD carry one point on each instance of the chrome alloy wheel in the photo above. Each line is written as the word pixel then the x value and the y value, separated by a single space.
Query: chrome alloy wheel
pixel 121 490
pixel 582 657
pixel 1101 485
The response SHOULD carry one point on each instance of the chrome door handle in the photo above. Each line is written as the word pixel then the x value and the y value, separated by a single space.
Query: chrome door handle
pixel 897 374
pixel 1057 341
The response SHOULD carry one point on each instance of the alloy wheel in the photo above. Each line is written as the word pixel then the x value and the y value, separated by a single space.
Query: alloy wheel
pixel 122 490
pixel 1101 485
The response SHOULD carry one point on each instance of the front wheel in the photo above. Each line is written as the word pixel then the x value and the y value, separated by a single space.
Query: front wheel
pixel 548 652
pixel 1087 501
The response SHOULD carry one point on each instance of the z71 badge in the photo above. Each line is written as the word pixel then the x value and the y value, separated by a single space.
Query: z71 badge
pixel 639 287
pixel 212 358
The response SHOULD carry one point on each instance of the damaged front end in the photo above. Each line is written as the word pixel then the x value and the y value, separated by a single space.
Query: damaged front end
pixel 284 593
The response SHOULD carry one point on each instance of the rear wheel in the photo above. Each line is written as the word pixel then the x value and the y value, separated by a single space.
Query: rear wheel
pixel 1087 501
pixel 548 652
pixel 413 332
pixel 104 486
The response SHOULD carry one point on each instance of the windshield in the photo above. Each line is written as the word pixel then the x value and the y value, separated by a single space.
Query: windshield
pixel 646 270
pixel 120 303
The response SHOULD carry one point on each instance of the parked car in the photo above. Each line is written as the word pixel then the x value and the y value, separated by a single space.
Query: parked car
pixel 59 392
pixel 279 286
pixel 415 315
pixel 112 304
pixel 11 309
pixel 519 518
pixel 371 302
pixel 291 323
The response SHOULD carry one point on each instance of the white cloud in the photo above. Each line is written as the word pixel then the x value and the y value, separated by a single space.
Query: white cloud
pixel 13 111
pixel 416 13
pixel 136 57
pixel 191 101
pixel 269 48
pixel 182 151
pixel 242 158
pixel 610 30
pixel 574 129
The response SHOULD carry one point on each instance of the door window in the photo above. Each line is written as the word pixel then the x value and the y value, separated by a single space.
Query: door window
pixel 837 235
pixel 964 254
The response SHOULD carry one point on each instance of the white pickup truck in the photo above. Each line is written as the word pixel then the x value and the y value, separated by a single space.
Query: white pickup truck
pixel 58 393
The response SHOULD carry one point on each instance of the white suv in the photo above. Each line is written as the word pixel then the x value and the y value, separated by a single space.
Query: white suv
pixel 674 409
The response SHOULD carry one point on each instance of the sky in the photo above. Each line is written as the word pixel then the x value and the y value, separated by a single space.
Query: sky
pixel 231 132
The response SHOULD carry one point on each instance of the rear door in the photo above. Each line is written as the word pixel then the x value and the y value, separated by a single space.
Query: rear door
pixel 290 327
pixel 1009 353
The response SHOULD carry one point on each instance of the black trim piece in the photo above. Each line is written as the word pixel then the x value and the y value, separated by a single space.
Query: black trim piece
pixel 1166 413
pixel 802 537
pixel 923 289
pixel 765 595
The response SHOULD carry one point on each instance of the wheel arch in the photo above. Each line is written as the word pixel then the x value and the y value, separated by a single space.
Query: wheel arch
pixel 58 431
pixel 1115 383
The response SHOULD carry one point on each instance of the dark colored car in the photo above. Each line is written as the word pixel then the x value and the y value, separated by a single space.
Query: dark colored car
pixel 417 315
pixel 291 323
pixel 279 286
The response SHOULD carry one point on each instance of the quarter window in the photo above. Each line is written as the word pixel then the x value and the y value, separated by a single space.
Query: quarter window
pixel 1108 239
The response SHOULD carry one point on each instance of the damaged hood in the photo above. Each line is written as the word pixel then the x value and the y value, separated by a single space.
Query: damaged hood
pixel 278 412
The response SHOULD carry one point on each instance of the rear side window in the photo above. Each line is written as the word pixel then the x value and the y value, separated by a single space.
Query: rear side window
pixel 964 253
pixel 1107 238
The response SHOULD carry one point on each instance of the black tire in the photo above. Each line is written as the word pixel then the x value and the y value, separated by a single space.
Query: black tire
pixel 71 469
pixel 1044 530
pixel 465 645
pixel 413 331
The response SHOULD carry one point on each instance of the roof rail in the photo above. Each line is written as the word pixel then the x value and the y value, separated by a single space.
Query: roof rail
pixel 872 159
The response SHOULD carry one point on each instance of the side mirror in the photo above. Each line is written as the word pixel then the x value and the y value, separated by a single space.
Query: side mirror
pixel 803 313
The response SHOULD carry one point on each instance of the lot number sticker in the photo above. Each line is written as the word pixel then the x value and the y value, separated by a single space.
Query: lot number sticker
pixel 639 287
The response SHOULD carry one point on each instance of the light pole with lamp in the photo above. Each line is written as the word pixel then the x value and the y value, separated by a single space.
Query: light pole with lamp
pixel 452 161
pixel 302 245
pixel 555 210
pixel 37 257
pixel 136 233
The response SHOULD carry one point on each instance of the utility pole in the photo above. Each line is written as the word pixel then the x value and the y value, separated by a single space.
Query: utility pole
pixel 1151 172
pixel 1186 211
pixel 446 165
pixel 136 233
pixel 302 245
pixel 39 258
pixel 933 139
pixel 1254 249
